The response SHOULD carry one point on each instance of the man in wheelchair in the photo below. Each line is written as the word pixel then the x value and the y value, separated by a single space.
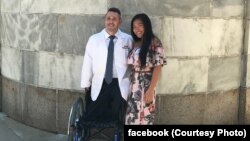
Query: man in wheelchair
pixel 104 75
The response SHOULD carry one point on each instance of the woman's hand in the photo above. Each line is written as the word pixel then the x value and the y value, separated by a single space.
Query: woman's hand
pixel 149 96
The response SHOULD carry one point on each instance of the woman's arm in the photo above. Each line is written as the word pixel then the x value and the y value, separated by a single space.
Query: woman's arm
pixel 148 97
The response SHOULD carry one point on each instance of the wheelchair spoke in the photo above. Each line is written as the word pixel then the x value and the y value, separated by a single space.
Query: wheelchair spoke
pixel 75 133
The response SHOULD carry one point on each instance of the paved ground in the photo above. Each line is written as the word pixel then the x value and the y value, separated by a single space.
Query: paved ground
pixel 11 130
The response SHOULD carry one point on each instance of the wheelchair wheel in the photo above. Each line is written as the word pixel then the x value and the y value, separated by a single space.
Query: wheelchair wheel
pixel 76 133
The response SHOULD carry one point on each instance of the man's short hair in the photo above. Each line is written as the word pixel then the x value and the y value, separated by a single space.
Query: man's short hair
pixel 116 10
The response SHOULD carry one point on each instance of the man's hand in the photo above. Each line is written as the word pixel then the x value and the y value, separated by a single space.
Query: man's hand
pixel 87 90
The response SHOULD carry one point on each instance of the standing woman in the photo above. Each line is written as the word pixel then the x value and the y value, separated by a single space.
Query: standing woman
pixel 146 60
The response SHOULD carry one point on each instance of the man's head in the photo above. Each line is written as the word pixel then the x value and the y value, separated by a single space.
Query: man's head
pixel 112 20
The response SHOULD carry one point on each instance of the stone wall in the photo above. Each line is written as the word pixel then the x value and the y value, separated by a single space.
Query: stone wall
pixel 43 42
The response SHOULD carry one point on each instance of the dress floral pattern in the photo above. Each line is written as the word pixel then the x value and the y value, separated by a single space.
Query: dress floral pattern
pixel 138 112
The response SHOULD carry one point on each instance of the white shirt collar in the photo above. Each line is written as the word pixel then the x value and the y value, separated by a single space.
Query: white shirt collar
pixel 107 35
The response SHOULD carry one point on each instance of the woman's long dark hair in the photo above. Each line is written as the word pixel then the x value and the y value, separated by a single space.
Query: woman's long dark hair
pixel 146 38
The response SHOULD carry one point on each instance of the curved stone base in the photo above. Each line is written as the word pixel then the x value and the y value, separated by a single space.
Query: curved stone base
pixel 48 109
pixel 211 108
pixel 43 108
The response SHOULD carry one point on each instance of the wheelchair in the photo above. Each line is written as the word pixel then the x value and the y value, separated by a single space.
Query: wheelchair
pixel 80 129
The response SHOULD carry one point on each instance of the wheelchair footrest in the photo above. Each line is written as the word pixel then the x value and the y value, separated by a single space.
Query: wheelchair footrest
pixel 98 124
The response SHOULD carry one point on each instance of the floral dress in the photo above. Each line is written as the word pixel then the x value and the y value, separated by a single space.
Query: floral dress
pixel 138 112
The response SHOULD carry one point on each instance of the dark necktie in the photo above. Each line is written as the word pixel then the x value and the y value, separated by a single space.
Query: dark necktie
pixel 109 64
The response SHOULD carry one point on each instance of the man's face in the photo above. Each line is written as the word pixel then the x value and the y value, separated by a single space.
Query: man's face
pixel 112 21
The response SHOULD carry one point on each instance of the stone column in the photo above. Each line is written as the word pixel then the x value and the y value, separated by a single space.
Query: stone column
pixel 245 101
pixel 43 42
